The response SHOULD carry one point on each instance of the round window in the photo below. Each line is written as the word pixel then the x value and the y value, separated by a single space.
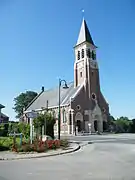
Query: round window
pixel 78 107
pixel 104 110
pixel 93 96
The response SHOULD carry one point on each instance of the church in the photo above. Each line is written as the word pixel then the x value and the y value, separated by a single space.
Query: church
pixel 82 104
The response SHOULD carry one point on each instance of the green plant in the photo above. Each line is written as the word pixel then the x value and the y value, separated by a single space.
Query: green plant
pixel 39 146
pixel 64 143
pixel 22 101
pixel 47 120
pixel 26 148
pixel 3 130
pixel 6 142
pixel 24 128
pixel 3 147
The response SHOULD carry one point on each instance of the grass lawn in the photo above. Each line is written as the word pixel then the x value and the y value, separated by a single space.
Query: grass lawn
pixel 7 142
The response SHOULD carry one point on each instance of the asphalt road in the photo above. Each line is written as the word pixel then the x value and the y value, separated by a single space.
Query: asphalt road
pixel 117 137
pixel 105 159
pixel 113 138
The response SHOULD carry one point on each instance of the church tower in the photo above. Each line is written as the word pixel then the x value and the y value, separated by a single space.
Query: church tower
pixel 85 65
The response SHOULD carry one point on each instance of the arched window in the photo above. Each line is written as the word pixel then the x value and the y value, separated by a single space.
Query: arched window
pixel 88 53
pixel 82 53
pixel 70 118
pixel 78 55
pixel 63 114
pixel 93 55
pixel 80 74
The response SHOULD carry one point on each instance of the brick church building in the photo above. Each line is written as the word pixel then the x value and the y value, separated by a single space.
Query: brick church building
pixel 82 103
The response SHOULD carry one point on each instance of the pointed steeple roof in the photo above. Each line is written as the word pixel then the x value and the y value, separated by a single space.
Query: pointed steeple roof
pixel 84 35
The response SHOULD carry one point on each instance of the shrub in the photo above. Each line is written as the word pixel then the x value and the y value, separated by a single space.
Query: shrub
pixel 40 146
pixel 47 120
pixel 57 143
pixel 5 144
pixel 3 129
pixel 64 143
pixel 14 148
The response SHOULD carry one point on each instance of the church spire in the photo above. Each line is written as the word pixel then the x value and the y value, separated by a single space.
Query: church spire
pixel 84 35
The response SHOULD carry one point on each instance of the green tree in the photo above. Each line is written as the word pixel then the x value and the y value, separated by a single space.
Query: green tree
pixel 24 128
pixel 3 129
pixel 47 120
pixel 111 123
pixel 13 127
pixel 132 126
pixel 22 101
pixel 123 124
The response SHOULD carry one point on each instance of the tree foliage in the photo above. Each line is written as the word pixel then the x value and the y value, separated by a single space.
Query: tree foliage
pixel 19 127
pixel 24 128
pixel 47 120
pixel 132 126
pixel 22 102
pixel 123 124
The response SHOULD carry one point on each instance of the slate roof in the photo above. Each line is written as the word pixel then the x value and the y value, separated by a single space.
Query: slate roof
pixel 1 106
pixel 4 115
pixel 52 97
pixel 84 35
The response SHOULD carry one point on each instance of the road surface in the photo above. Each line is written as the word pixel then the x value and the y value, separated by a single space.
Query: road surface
pixel 105 159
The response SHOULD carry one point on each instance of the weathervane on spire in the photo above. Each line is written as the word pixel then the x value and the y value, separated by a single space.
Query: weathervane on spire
pixel 83 13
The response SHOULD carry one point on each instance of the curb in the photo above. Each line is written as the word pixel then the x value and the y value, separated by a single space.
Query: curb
pixel 45 155
pixel 82 143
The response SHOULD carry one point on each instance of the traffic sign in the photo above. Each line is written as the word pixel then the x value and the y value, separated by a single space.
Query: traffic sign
pixel 32 114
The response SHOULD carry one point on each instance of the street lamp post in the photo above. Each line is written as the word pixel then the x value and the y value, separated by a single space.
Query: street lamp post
pixel 44 114
pixel 59 112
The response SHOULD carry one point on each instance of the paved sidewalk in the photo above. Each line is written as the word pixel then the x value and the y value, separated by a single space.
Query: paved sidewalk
pixel 8 155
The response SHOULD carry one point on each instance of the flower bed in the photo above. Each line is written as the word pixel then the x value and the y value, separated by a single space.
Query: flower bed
pixel 40 146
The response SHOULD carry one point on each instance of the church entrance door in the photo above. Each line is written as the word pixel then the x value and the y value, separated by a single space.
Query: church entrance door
pixel 79 125
pixel 95 125
pixel 79 121
pixel 104 126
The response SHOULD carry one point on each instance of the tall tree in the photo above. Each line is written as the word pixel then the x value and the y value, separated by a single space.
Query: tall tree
pixel 22 102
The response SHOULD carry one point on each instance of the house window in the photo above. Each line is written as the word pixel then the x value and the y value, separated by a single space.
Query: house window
pixel 80 74
pixel 78 55
pixel 53 113
pixel 82 53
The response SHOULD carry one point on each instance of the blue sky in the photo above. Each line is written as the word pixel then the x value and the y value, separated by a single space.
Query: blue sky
pixel 36 47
